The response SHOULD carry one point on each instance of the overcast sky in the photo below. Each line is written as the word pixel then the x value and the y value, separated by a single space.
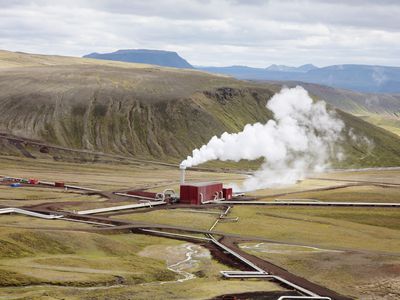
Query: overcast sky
pixel 210 32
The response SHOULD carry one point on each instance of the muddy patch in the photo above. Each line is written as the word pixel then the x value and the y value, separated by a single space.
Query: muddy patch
pixel 181 259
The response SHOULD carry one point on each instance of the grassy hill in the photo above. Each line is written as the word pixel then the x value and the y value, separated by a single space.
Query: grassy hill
pixel 382 110
pixel 10 59
pixel 144 111
pixel 354 102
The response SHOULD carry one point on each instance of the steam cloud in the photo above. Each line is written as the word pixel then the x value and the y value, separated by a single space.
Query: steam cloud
pixel 301 139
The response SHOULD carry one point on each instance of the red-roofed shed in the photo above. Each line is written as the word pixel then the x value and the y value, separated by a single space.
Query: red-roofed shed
pixel 196 193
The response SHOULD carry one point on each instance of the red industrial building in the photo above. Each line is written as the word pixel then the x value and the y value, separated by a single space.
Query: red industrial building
pixel 227 193
pixel 59 184
pixel 200 192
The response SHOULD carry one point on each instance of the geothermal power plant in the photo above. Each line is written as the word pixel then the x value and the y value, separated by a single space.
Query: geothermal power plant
pixel 201 192
pixel 193 196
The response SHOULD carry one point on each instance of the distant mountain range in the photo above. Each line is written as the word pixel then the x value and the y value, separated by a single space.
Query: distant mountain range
pixel 144 56
pixel 361 78
pixel 282 68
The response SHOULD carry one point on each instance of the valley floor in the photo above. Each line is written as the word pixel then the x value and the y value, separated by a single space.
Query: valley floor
pixel 353 251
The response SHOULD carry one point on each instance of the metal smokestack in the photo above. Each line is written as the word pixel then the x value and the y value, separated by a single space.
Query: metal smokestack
pixel 183 170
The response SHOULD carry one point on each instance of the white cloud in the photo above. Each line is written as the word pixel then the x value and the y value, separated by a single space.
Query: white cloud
pixel 212 32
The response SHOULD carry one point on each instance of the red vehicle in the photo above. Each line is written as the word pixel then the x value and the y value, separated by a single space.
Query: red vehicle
pixel 33 181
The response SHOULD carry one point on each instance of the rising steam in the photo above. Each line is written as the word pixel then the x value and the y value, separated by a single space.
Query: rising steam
pixel 300 140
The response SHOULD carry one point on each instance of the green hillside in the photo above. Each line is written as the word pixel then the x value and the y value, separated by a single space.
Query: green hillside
pixel 382 110
pixel 145 111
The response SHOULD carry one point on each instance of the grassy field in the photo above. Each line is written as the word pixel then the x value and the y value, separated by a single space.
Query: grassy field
pixel 358 274
pixel 173 217
pixel 384 175
pixel 60 260
pixel 15 197
pixel 352 194
pixel 80 265
pixel 104 176
pixel 342 228
pixel 50 258
pixel 354 251
pixel 198 289
pixel 302 185
pixel 56 259
pixel 318 187
pixel 21 221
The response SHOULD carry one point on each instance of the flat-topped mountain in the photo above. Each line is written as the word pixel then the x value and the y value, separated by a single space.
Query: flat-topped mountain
pixel 144 56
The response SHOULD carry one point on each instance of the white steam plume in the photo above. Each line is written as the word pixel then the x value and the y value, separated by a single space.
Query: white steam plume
pixel 300 140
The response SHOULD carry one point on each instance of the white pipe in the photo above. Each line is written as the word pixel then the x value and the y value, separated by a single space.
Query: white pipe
pixel 246 261
pixel 246 274
pixel 122 207
pixel 199 211
pixel 160 197
pixel 322 203
pixel 202 199
pixel 11 210
pixel 232 273
pixel 227 211
pixel 304 298
pixel 175 234
pixel 77 187
pixel 183 171
pixel 298 200
pixel 213 225
pixel 260 273
pixel 169 192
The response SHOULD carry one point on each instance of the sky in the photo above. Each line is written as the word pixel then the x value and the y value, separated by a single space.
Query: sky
pixel 210 32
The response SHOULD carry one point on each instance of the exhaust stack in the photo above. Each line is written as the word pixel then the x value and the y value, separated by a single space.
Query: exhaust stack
pixel 183 171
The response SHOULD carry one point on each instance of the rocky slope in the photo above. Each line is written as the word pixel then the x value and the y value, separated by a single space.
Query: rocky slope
pixel 149 112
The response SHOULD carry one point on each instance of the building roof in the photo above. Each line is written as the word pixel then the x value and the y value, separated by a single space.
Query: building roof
pixel 199 184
